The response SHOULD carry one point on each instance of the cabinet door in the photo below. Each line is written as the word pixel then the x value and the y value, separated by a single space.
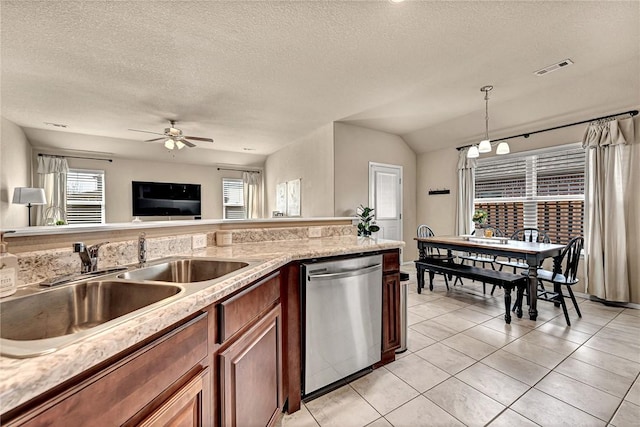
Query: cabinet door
pixel 390 312
pixel 251 375
pixel 184 407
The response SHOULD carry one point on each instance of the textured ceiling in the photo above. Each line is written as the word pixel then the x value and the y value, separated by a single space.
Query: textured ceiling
pixel 260 75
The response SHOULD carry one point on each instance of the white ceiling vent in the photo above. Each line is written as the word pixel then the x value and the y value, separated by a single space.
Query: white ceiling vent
pixel 554 67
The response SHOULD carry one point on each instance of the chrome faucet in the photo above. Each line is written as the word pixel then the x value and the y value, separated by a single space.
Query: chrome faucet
pixel 142 249
pixel 88 256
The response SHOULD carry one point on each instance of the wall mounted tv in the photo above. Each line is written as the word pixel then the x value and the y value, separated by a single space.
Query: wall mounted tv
pixel 165 199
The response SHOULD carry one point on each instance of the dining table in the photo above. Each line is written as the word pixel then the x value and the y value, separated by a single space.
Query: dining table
pixel 533 253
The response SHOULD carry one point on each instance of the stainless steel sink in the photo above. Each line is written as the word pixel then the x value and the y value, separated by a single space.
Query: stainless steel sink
pixel 42 322
pixel 185 270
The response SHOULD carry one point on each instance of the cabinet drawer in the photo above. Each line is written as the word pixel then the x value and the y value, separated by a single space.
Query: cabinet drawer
pixel 239 310
pixel 114 395
pixel 390 262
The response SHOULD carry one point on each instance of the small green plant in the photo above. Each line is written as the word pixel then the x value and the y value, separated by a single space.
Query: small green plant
pixel 367 225
pixel 480 216
pixel 60 222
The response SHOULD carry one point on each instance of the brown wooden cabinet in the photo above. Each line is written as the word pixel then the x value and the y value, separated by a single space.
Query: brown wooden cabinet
pixel 249 359
pixel 131 388
pixel 390 305
pixel 184 408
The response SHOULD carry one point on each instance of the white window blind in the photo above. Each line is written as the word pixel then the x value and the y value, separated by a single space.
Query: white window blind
pixel 542 189
pixel 233 198
pixel 85 197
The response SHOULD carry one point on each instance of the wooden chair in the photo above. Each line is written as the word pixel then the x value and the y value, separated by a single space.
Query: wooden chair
pixel 568 260
pixel 523 235
pixel 434 253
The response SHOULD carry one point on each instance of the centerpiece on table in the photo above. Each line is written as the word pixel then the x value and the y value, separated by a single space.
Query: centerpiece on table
pixel 367 225
pixel 480 218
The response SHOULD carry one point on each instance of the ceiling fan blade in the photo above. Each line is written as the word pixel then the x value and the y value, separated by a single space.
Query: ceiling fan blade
pixel 187 143
pixel 155 139
pixel 197 138
pixel 146 131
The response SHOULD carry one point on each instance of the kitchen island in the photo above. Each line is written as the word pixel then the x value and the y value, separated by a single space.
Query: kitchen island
pixel 22 380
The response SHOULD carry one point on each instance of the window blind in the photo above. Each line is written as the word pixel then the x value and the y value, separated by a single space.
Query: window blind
pixel 85 197
pixel 542 190
pixel 233 198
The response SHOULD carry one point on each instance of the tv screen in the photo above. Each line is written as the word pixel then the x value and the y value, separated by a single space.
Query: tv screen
pixel 165 199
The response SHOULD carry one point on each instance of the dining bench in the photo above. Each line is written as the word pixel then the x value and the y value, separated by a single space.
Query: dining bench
pixel 508 281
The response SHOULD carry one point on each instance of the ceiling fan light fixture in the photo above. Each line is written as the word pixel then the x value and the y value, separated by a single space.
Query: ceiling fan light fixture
pixel 180 144
pixel 503 148
pixel 169 144
pixel 473 152
pixel 485 146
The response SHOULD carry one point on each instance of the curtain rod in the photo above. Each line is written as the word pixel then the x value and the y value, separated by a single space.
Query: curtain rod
pixel 528 134
pixel 75 157
pixel 237 170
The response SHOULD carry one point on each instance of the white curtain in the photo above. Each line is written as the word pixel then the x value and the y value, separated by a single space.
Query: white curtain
pixel 608 195
pixel 252 194
pixel 52 176
pixel 466 192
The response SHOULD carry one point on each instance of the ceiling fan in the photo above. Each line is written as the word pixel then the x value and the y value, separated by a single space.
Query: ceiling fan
pixel 173 137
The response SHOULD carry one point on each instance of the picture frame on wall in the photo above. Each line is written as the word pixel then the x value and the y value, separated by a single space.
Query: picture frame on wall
pixel 293 197
pixel 281 198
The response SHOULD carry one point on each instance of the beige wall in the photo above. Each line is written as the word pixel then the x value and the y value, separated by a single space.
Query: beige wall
pixel 15 171
pixel 310 159
pixel 120 173
pixel 355 147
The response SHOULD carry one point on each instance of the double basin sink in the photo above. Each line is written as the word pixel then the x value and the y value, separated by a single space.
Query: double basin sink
pixel 44 321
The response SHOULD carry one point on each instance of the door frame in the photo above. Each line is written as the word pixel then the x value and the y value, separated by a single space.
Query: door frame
pixel 401 201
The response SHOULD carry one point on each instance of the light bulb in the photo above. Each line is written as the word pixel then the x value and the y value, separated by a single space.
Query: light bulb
pixel 473 152
pixel 179 144
pixel 485 146
pixel 503 148
pixel 169 144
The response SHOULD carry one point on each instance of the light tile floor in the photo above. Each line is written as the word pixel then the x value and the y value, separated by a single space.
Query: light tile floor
pixel 465 366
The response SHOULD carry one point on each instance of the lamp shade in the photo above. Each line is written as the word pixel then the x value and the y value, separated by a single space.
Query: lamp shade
pixel 485 146
pixel 473 152
pixel 503 148
pixel 29 196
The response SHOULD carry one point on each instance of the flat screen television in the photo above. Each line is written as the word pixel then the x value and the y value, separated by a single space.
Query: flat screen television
pixel 165 199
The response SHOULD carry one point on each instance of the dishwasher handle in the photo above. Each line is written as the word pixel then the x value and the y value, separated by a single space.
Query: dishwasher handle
pixel 348 273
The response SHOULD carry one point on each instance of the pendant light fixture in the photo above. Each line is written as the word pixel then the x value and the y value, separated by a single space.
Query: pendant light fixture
pixel 485 144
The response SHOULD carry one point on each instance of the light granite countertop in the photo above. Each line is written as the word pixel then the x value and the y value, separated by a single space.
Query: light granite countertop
pixel 24 379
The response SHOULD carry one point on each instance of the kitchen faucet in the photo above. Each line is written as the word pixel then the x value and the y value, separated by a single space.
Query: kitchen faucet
pixel 142 249
pixel 88 256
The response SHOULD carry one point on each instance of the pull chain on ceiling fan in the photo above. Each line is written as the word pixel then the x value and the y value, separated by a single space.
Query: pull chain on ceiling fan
pixel 173 137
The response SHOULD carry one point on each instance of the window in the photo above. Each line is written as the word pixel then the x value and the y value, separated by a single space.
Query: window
pixel 542 189
pixel 85 196
pixel 233 199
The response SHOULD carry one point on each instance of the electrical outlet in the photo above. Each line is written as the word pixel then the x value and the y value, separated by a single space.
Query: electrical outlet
pixel 315 232
pixel 199 241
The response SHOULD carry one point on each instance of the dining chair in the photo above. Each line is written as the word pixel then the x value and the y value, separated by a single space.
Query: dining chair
pixel 434 253
pixel 568 261
pixel 483 259
pixel 527 234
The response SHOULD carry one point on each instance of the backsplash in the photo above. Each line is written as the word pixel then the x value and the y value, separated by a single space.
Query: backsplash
pixel 37 266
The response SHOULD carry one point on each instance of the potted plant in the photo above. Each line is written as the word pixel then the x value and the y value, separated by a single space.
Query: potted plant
pixel 480 217
pixel 367 225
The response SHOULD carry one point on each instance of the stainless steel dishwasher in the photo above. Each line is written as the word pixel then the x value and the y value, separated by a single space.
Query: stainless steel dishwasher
pixel 343 319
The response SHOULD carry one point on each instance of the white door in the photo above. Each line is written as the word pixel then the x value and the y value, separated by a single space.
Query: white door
pixel 385 197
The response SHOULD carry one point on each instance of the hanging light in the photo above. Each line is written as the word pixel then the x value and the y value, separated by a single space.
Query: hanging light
pixel 503 148
pixel 473 152
pixel 485 144
pixel 179 144
pixel 169 144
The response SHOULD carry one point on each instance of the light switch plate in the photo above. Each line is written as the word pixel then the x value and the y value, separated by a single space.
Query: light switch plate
pixel 315 232
pixel 198 241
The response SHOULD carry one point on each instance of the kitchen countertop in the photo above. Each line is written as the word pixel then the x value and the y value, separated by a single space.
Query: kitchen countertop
pixel 23 379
